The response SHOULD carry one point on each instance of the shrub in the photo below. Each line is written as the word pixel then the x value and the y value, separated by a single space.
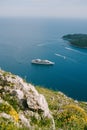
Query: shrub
pixel 72 116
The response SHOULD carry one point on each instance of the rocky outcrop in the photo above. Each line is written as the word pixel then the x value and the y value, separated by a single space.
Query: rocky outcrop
pixel 26 98
pixel 22 105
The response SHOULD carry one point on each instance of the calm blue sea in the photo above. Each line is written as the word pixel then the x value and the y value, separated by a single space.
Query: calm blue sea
pixel 22 40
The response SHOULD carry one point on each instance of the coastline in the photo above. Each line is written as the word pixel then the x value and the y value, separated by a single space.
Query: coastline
pixel 77 40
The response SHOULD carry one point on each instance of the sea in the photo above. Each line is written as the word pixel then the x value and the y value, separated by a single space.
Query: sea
pixel 24 39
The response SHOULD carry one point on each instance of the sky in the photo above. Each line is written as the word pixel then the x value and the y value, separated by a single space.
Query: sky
pixel 44 8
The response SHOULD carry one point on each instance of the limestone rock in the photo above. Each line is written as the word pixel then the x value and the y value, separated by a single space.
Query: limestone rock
pixel 5 115
pixel 24 120
pixel 26 97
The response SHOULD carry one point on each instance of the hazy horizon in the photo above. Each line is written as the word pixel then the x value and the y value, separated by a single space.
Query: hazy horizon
pixel 44 8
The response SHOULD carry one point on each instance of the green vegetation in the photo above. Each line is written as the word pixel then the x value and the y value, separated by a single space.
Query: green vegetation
pixel 67 114
pixel 6 124
pixel 11 100
pixel 79 40
pixel 5 107
pixel 43 123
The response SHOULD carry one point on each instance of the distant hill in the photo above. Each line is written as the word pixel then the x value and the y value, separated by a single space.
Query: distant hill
pixel 79 40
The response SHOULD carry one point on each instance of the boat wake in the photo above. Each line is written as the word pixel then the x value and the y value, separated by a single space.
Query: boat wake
pixel 73 60
pixel 64 57
pixel 70 49
pixel 43 44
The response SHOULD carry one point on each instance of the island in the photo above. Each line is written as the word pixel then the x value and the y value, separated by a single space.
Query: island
pixel 79 40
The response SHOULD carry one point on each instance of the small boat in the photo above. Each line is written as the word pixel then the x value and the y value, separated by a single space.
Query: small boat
pixel 42 62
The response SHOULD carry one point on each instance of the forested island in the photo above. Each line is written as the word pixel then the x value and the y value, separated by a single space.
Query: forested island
pixel 79 40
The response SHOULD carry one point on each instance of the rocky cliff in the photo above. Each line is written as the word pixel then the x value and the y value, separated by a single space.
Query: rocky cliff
pixel 21 103
pixel 25 107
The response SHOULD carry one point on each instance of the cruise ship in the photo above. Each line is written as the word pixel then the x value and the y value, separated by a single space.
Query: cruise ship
pixel 42 62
